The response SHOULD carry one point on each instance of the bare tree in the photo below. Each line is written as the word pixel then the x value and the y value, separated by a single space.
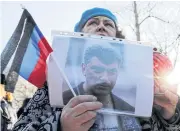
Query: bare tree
pixel 140 18
pixel 139 22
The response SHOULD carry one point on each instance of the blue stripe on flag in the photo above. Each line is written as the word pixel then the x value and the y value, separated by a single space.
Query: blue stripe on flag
pixel 32 54
pixel 39 32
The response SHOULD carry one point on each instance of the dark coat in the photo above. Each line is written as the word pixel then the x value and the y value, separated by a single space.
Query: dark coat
pixel 118 103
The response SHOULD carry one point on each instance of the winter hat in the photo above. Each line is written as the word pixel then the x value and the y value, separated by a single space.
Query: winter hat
pixel 88 14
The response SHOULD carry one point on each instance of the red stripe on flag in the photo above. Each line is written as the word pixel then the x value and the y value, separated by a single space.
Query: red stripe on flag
pixel 38 76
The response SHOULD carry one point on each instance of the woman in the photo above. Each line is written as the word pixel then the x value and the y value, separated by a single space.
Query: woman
pixel 80 112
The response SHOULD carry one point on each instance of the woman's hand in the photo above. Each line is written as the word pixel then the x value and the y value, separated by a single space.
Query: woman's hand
pixel 167 101
pixel 80 113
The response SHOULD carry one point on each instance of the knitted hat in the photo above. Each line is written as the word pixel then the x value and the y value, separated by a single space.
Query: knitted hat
pixel 88 14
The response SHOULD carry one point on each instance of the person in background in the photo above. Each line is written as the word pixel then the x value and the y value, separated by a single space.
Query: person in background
pixel 8 114
pixel 79 114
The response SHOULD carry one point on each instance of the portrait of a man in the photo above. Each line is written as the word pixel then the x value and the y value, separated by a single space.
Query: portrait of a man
pixel 100 68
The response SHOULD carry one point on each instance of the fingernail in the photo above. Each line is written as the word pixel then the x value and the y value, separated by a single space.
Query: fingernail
pixel 94 98
pixel 100 104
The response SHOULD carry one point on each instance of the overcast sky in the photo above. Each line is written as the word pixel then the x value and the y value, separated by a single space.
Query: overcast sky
pixel 48 15
pixel 64 15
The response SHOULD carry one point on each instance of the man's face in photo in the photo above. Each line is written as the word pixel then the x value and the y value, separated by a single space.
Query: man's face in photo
pixel 100 77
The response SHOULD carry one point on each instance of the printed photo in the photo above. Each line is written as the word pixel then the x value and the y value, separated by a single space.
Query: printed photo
pixel 106 69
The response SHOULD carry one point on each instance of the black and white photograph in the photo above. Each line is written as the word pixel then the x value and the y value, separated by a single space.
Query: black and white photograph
pixel 95 69
pixel 102 68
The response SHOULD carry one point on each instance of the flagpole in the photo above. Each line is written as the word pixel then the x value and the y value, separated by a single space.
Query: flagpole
pixel 63 74
pixel 22 6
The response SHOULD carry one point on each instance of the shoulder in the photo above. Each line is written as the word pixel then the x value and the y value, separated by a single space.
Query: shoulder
pixel 38 107
pixel 121 104
pixel 68 95
pixel 38 104
pixel 41 94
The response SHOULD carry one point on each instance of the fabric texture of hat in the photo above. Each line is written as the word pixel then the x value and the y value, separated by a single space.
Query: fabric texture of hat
pixel 88 14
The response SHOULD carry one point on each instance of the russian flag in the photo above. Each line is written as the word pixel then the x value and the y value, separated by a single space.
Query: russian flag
pixel 29 50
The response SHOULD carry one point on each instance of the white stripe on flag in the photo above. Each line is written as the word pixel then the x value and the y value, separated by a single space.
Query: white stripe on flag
pixel 6 70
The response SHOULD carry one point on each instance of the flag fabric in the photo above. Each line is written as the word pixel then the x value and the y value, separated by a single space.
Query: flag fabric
pixel 27 50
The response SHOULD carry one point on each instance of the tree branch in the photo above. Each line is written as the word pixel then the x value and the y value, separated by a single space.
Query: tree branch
pixel 172 45
pixel 144 19
pixel 132 28
pixel 160 19
pixel 153 34
pixel 151 7
pixel 153 17
pixel 176 58
pixel 128 22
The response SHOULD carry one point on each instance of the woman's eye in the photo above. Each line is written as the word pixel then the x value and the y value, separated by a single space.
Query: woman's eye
pixel 92 23
pixel 109 24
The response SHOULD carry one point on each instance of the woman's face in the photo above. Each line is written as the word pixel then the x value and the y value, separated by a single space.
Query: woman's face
pixel 100 25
